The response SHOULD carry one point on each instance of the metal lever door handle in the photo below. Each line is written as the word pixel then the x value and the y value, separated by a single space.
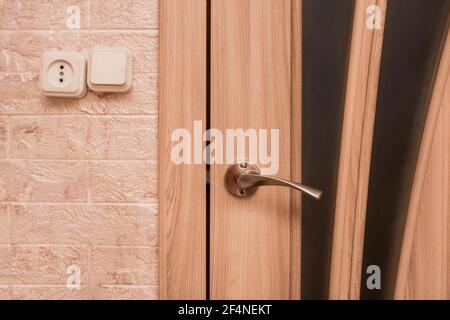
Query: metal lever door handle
pixel 242 179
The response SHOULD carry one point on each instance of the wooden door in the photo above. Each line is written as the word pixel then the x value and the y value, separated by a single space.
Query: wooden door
pixel 182 191
pixel 237 64
pixel 339 93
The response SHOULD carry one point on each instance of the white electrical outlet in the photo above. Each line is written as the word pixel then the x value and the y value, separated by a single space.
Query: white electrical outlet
pixel 63 74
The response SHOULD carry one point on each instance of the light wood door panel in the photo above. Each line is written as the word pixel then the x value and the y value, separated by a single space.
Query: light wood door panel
pixel 251 88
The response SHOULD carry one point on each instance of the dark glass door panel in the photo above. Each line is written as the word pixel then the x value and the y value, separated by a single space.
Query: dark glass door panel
pixel 326 36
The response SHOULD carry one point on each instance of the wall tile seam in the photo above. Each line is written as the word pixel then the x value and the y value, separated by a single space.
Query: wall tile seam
pixel 90 265
pixel 50 202
pixel 102 116
pixel 33 76
pixel 152 31
pixel 89 182
pixel 88 286
pixel 95 246
pixel 106 286
pixel 81 204
pixel 83 160
pixel 39 285
pixel 99 115
pixel 99 203
pixel 10 229
pixel 80 246
pixel 8 57
pixel 94 203
pixel 8 137
pixel 89 18
pixel 133 286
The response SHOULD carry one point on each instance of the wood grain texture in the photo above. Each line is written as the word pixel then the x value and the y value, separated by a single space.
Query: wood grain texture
pixel 251 88
pixel 429 272
pixel 355 155
pixel 296 147
pixel 423 267
pixel 182 188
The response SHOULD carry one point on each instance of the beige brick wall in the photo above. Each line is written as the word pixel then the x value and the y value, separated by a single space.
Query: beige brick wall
pixel 78 178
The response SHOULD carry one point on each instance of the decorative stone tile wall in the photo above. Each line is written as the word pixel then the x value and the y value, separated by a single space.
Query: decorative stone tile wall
pixel 78 178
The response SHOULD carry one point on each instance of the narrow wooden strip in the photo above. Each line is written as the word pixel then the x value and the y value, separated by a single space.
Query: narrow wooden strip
pixel 182 191
pixel 296 146
pixel 365 156
pixel 436 103
pixel 354 164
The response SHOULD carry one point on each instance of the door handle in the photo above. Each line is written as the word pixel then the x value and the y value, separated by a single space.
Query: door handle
pixel 243 179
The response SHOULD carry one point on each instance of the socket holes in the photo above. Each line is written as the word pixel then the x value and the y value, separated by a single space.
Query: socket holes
pixel 60 73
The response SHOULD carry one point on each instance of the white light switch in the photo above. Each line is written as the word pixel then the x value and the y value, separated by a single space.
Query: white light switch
pixel 109 69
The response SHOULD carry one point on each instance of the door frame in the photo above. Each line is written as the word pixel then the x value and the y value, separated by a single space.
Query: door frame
pixel 182 191
pixel 184 97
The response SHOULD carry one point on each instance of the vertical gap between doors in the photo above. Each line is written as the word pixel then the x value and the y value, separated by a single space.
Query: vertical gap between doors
pixel 208 126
